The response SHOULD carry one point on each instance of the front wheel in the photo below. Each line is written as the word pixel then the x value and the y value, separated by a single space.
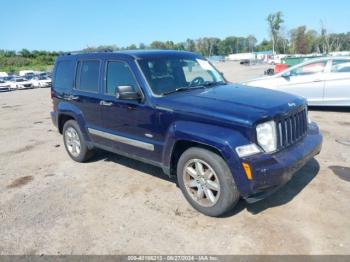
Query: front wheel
pixel 75 143
pixel 206 182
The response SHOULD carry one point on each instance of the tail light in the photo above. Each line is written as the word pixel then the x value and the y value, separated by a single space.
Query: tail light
pixel 53 104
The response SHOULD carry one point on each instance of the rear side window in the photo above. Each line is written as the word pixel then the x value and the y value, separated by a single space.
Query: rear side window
pixel 64 77
pixel 340 66
pixel 309 69
pixel 88 75
pixel 119 74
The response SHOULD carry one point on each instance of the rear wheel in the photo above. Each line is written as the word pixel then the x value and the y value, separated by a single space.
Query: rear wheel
pixel 75 143
pixel 206 181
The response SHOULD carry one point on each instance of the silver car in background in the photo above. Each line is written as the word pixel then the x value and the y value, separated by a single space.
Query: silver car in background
pixel 4 86
pixel 322 81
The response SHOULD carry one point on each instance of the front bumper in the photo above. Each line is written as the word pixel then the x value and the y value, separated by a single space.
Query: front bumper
pixel 271 171
pixel 4 88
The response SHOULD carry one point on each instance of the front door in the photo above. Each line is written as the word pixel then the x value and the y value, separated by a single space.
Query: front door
pixel 128 125
pixel 306 80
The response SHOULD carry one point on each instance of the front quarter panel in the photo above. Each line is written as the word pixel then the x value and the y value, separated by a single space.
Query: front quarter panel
pixel 224 140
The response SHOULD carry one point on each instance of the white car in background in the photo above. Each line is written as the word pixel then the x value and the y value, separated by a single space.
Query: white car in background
pixel 4 86
pixel 41 81
pixel 20 83
pixel 322 81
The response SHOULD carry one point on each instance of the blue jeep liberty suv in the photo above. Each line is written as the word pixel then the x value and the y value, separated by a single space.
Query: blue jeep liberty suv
pixel 173 109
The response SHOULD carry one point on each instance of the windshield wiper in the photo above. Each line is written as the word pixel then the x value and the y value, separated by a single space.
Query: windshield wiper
pixel 180 89
pixel 204 85
pixel 210 84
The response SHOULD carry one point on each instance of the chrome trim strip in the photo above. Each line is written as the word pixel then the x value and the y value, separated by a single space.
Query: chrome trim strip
pixel 164 108
pixel 121 139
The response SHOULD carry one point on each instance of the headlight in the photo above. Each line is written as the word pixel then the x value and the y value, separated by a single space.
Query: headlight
pixel 266 136
pixel 307 115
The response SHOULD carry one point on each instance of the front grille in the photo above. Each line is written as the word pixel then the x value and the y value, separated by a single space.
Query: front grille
pixel 291 128
pixel 27 85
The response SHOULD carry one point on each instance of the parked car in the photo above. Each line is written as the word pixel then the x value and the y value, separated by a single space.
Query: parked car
pixel 244 62
pixel 24 73
pixel 41 81
pixel 20 83
pixel 322 81
pixel 3 74
pixel 4 86
pixel 174 110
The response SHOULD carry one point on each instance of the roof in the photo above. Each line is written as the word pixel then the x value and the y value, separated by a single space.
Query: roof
pixel 136 54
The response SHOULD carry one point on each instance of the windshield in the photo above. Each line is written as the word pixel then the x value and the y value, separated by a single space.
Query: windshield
pixel 42 78
pixel 169 74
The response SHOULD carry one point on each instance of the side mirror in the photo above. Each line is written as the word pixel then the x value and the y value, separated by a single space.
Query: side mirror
pixel 286 74
pixel 126 93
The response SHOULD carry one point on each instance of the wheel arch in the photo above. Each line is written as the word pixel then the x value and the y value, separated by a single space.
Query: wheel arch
pixel 62 119
pixel 182 145
pixel 68 111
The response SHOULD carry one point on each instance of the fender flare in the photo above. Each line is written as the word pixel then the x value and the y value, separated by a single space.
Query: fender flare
pixel 73 111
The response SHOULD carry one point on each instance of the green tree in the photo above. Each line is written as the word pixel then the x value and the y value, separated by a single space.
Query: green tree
pixel 25 53
pixel 132 47
pixel 190 45
pixel 157 45
pixel 299 41
pixel 274 21
pixel 265 45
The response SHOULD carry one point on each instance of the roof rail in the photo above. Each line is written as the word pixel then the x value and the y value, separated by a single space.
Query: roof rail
pixel 84 52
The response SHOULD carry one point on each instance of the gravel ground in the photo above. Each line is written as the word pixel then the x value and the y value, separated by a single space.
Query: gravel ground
pixel 113 205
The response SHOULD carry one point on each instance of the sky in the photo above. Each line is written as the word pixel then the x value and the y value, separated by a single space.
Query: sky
pixel 68 25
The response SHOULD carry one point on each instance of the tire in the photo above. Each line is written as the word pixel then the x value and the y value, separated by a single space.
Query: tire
pixel 74 139
pixel 224 195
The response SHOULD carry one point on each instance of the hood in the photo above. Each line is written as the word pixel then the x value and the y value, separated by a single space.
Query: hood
pixel 233 102
pixel 27 82
pixel 259 79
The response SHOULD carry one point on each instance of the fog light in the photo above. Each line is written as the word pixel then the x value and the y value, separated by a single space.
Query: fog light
pixel 247 170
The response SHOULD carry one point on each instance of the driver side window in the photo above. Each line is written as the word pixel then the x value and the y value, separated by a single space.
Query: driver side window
pixel 309 69
pixel 119 74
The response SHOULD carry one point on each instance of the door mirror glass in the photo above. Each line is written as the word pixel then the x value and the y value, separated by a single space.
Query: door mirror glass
pixel 126 93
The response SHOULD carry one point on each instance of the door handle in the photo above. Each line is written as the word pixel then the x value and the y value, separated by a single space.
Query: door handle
pixel 71 97
pixel 105 103
pixel 317 80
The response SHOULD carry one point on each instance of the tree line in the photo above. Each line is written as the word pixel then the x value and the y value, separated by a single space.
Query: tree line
pixel 12 61
pixel 300 40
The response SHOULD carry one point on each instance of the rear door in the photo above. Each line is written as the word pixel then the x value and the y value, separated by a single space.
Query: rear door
pixel 306 80
pixel 337 83
pixel 86 93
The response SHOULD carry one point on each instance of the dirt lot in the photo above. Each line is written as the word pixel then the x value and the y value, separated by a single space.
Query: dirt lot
pixel 112 205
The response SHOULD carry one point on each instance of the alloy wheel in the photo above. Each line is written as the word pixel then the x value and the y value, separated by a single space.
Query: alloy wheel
pixel 201 182
pixel 72 141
